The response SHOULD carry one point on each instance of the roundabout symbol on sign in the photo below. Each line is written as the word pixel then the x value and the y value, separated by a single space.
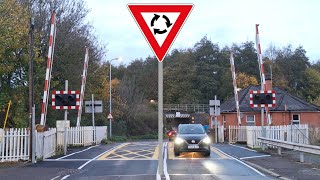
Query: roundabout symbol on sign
pixel 155 18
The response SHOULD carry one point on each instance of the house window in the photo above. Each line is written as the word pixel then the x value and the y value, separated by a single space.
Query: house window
pixel 224 120
pixel 296 119
pixel 250 120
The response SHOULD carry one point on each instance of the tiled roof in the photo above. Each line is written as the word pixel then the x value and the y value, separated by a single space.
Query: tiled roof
pixel 283 99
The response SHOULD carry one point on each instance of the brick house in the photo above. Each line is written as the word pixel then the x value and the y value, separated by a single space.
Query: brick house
pixel 289 109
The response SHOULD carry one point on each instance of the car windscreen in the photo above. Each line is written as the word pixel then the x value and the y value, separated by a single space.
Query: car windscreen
pixel 191 130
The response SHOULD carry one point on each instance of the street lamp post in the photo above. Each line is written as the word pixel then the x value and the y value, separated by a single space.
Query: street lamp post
pixel 110 105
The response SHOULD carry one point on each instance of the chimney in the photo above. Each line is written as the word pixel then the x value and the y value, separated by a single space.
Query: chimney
pixel 268 82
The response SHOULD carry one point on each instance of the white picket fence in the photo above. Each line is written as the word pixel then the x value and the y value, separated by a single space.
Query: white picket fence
pixel 221 134
pixel 101 133
pixel 290 133
pixel 81 136
pixel 253 132
pixel 237 134
pixel 46 143
pixel 77 136
pixel 15 145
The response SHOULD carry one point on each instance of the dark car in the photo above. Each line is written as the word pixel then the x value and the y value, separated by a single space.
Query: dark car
pixel 191 138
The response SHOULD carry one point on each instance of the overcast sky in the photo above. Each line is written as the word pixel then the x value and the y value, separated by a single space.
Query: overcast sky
pixel 282 22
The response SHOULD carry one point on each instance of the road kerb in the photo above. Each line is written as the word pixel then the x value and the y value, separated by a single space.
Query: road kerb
pixel 266 171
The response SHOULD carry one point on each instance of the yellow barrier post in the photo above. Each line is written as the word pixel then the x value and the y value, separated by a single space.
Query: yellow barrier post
pixel 5 121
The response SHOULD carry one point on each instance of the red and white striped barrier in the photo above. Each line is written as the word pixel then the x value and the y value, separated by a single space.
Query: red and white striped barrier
pixel 83 85
pixel 65 107
pixel 233 72
pixel 49 69
pixel 262 75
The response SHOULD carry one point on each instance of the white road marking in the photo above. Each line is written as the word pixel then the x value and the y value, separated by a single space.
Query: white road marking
pixel 179 158
pixel 240 162
pixel 158 175
pixel 55 178
pixel 165 169
pixel 129 175
pixel 62 160
pixel 83 165
pixel 243 148
pixel 76 152
pixel 131 159
pixel 65 177
pixel 194 174
pixel 249 157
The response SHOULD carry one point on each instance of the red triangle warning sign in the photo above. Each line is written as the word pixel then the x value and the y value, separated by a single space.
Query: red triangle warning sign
pixel 110 116
pixel 160 23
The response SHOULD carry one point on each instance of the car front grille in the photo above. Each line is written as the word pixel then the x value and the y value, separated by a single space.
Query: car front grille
pixel 191 142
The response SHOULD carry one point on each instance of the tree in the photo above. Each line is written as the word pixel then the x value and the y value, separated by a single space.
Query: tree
pixel 179 77
pixel 73 35
pixel 311 84
pixel 316 66
pixel 244 80
pixel 245 59
pixel 289 68
pixel 14 60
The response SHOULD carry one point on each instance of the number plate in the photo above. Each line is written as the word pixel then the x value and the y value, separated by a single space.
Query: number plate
pixel 193 147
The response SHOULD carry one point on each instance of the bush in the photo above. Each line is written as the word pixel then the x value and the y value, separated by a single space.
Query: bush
pixel 118 138
pixel 145 136
pixel 105 141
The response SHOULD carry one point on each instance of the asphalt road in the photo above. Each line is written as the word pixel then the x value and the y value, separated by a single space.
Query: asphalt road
pixel 138 160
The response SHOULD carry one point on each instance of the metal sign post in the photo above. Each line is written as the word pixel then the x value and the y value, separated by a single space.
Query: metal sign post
pixel 215 120
pixel 160 116
pixel 160 51
pixel 93 124
pixel 92 106
pixel 65 125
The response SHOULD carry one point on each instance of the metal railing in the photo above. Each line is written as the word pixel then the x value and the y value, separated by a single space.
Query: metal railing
pixel 290 145
pixel 200 108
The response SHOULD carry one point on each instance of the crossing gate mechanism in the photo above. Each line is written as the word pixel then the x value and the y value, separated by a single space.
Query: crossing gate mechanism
pixel 65 100
pixel 262 98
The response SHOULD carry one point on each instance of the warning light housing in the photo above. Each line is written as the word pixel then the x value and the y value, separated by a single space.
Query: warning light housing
pixel 262 98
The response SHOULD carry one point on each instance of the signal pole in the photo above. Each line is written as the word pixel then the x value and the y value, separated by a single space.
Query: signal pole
pixel 65 124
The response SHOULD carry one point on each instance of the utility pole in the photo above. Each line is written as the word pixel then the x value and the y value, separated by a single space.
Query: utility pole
pixel 33 153
pixel 31 83
pixel 110 105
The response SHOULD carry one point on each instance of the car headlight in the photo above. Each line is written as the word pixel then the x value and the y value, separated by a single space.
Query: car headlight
pixel 178 140
pixel 206 140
